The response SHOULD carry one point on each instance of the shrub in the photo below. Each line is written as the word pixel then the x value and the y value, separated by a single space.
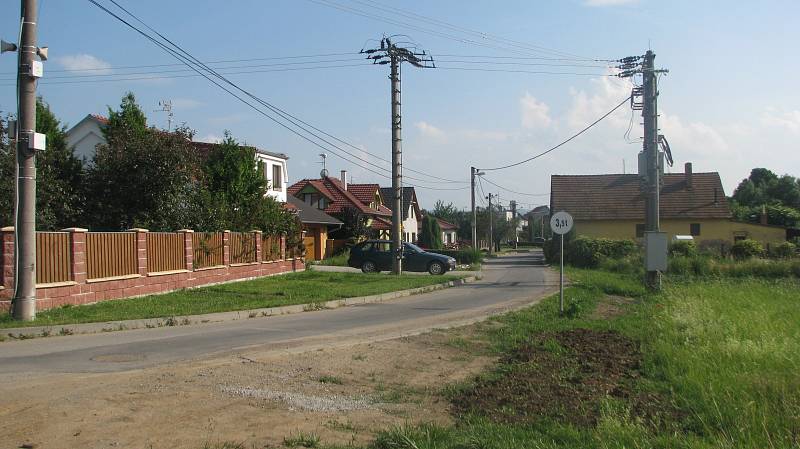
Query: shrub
pixel 464 256
pixel 633 265
pixel 680 265
pixel 686 248
pixel 783 250
pixel 746 249
pixel 758 268
pixel 587 252
pixel 715 248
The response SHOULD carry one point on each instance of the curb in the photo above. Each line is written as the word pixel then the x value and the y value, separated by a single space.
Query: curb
pixel 25 333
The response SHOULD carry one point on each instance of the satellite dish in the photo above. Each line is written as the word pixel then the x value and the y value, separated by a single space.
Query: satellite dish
pixel 323 173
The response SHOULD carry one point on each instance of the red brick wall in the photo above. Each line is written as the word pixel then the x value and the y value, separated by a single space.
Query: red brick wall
pixel 83 291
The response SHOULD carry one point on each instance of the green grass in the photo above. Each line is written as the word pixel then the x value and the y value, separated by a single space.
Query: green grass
pixel 308 287
pixel 339 260
pixel 724 352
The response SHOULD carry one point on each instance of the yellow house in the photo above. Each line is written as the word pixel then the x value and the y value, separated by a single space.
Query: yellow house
pixel 613 206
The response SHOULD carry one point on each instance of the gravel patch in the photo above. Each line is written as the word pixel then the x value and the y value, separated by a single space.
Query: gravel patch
pixel 300 401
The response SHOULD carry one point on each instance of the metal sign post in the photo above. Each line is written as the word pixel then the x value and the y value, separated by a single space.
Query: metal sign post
pixel 561 223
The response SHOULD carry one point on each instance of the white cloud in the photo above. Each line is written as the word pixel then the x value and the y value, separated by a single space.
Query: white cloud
pixel 428 130
pixel 535 113
pixel 609 2
pixel 85 64
pixel 606 93
pixel 789 120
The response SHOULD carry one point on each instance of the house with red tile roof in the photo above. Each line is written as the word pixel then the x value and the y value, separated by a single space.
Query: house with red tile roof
pixel 333 196
pixel 613 206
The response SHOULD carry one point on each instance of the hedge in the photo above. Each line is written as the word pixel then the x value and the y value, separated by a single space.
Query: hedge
pixel 463 256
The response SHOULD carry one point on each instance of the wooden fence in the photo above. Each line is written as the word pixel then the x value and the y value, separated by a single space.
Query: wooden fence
pixel 110 254
pixel 243 247
pixel 207 249
pixel 270 248
pixel 53 257
pixel 165 252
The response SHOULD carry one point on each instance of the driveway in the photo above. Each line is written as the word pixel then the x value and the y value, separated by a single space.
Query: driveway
pixel 509 282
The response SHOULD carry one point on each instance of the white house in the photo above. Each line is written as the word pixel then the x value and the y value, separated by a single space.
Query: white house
pixel 411 211
pixel 88 133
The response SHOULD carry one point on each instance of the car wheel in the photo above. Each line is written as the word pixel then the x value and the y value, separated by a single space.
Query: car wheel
pixel 436 268
pixel 369 267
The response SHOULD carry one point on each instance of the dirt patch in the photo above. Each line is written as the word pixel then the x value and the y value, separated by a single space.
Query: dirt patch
pixel 565 376
pixel 610 307
pixel 342 395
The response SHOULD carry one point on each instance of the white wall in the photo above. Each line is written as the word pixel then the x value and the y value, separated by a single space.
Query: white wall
pixel 410 228
pixel 84 137
pixel 269 162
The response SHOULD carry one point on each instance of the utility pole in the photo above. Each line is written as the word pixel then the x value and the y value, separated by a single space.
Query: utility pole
pixel 28 142
pixel 651 159
pixel 473 172
pixel 166 106
pixel 491 225
pixel 513 206
pixel 390 53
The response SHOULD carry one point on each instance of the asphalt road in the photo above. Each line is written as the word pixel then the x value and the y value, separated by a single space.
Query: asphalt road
pixel 509 282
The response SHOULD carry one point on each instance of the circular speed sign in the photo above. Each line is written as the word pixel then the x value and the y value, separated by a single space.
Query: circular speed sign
pixel 561 222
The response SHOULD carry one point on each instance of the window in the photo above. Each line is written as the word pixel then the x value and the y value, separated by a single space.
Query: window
pixel 413 237
pixel 694 229
pixel 640 230
pixel 315 200
pixel 277 181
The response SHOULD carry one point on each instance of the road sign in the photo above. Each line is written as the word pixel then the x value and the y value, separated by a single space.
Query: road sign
pixel 561 222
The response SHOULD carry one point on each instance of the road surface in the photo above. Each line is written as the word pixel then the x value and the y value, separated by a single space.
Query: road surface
pixel 508 282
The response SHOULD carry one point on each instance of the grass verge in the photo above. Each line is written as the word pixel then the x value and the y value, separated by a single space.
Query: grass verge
pixel 704 364
pixel 308 287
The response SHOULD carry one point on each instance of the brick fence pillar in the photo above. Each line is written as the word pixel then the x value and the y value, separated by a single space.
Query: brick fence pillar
pixel 259 250
pixel 226 247
pixel 283 246
pixel 188 248
pixel 7 257
pixel 141 250
pixel 77 247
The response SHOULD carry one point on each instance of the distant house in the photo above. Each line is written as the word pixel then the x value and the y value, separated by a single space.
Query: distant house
pixel 316 224
pixel 693 204
pixel 411 211
pixel 538 220
pixel 88 133
pixel 522 222
pixel 333 196
pixel 449 232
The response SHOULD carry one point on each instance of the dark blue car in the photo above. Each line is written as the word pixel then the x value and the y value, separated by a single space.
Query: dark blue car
pixel 376 255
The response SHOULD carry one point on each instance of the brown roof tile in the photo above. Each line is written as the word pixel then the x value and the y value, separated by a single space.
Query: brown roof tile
pixel 338 196
pixel 609 197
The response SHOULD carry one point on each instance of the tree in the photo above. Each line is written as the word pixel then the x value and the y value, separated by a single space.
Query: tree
pixel 60 176
pixel 436 233
pixel 141 178
pixel 764 190
pixel 354 225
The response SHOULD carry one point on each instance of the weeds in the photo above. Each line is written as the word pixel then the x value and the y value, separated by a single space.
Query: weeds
pixel 308 440
pixel 330 380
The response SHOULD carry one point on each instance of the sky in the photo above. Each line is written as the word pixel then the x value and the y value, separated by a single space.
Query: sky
pixel 729 102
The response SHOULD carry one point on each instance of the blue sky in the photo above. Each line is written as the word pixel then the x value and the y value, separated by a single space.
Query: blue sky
pixel 728 104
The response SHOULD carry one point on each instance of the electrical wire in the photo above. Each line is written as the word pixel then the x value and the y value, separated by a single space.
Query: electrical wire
pixel 564 142
pixel 513 191
pixel 192 62
pixel 535 72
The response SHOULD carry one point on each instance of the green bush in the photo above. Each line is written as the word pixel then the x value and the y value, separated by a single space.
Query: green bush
pixel 587 252
pixel 685 248
pixel 633 265
pixel 746 249
pixel 783 250
pixel 757 269
pixel 467 256
pixel 697 265
pixel 715 248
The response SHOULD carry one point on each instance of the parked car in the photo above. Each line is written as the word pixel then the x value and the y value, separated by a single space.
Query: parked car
pixel 376 255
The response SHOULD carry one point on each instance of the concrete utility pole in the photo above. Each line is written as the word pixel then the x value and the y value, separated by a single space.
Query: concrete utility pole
pixel 513 206
pixel 650 115
pixel 491 225
pixel 24 302
pixel 474 224
pixel 389 53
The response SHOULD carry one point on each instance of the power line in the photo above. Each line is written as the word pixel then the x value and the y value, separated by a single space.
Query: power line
pixel 512 191
pixel 535 72
pixel 564 142
pixel 190 61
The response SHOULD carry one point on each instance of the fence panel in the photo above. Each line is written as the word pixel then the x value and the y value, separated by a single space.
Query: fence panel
pixel 207 249
pixel 165 252
pixel 243 247
pixel 53 257
pixel 110 254
pixel 270 248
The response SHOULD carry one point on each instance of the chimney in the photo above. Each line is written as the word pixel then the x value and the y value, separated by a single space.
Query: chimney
pixel 688 171
pixel 344 179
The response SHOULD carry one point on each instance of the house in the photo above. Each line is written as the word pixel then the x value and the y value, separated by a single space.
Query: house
pixel 411 211
pixel 613 206
pixel 449 232
pixel 538 218
pixel 316 224
pixel 522 222
pixel 333 196
pixel 88 133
